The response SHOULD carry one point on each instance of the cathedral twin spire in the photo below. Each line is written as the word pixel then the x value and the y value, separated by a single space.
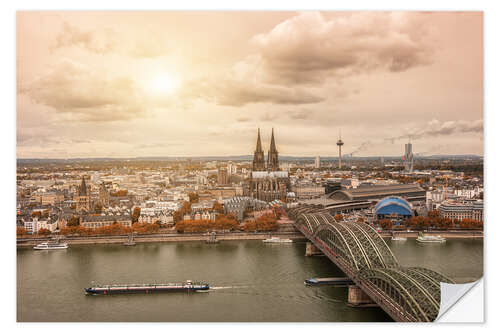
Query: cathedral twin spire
pixel 272 156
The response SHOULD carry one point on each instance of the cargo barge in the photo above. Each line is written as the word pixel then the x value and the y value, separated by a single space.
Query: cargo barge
pixel 146 288
pixel 342 281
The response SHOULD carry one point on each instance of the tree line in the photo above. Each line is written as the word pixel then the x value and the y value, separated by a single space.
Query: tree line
pixel 434 221
pixel 266 222
pixel 222 222
pixel 114 229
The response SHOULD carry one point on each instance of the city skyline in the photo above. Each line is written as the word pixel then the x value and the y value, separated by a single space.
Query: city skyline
pixel 125 84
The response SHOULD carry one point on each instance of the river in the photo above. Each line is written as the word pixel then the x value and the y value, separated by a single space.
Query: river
pixel 251 281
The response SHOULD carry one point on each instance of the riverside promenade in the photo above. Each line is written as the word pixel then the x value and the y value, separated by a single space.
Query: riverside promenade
pixel 162 237
pixel 193 237
pixel 442 233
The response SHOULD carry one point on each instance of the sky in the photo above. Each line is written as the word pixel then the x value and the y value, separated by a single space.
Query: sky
pixel 132 84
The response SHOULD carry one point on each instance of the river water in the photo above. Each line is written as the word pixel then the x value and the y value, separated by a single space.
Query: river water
pixel 251 281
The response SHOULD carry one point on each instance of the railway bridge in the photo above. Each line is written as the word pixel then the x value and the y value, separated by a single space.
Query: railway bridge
pixel 409 294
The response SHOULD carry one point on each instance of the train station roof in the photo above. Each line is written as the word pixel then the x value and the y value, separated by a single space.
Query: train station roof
pixel 408 191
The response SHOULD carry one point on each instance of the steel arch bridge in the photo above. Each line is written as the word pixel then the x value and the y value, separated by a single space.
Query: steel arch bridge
pixel 405 293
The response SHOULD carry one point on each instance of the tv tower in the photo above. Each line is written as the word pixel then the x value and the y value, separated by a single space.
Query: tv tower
pixel 340 143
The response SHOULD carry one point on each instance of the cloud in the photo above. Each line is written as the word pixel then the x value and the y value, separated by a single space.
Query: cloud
pixel 233 92
pixel 92 41
pixel 77 91
pixel 269 117
pixel 157 145
pixel 43 138
pixel 81 141
pixel 148 45
pixel 307 48
pixel 436 128
pixel 299 115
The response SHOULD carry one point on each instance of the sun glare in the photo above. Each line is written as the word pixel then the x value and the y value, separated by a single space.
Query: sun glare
pixel 163 84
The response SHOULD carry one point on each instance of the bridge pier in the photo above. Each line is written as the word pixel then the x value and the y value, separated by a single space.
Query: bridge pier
pixel 357 297
pixel 312 250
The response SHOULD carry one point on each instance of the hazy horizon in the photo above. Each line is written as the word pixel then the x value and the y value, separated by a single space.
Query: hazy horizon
pixel 249 157
pixel 106 84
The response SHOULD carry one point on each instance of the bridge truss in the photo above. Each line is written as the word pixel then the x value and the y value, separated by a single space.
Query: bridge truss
pixel 405 293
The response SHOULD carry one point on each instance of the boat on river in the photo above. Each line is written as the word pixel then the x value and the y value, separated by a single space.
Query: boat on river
pixel 342 281
pixel 277 240
pixel 146 288
pixel 398 238
pixel 51 245
pixel 430 239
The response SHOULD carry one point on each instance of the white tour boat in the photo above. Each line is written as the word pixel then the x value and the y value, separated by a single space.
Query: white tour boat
pixel 397 238
pixel 430 239
pixel 51 246
pixel 277 240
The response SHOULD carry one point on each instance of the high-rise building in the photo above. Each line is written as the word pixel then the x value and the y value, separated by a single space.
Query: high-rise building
pixel 317 162
pixel 340 143
pixel 408 157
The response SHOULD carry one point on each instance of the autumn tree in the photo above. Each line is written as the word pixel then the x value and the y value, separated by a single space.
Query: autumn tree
pixel 177 216
pixel 338 217
pixel 120 193
pixel 433 214
pixel 185 209
pixel 386 224
pixel 21 231
pixel 445 223
pixel 193 197
pixel 44 232
pixel 470 224
pixel 135 214
pixel 221 223
pixel 266 222
pixel 360 219
pixel 218 208
pixel 73 221
pixel 145 228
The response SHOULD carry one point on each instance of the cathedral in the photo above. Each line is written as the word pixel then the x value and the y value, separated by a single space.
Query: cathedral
pixel 267 181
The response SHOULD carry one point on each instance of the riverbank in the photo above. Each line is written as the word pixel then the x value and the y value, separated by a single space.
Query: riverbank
pixel 176 237
pixel 445 234
pixel 163 237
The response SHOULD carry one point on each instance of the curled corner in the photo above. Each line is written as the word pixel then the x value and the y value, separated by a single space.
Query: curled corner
pixel 451 295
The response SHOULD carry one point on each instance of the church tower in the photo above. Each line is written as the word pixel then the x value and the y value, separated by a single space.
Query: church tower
pixel 103 195
pixel 258 156
pixel 272 156
pixel 82 197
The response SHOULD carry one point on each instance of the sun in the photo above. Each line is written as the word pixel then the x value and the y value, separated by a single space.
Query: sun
pixel 163 84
